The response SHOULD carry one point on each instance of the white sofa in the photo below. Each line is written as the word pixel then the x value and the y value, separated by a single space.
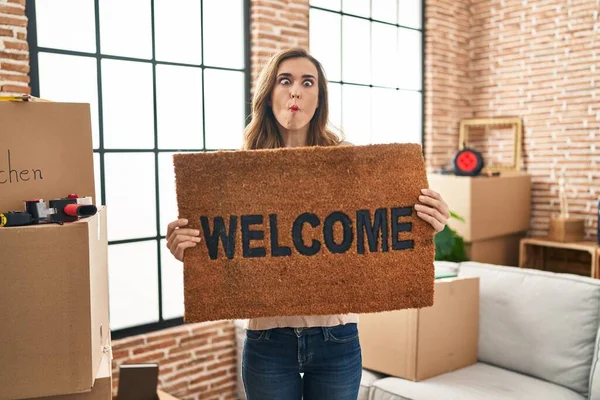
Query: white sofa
pixel 538 339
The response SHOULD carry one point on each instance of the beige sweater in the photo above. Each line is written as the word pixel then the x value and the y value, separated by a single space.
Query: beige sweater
pixel 302 321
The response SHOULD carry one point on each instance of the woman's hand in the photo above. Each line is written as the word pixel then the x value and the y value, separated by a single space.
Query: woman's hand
pixel 179 239
pixel 433 210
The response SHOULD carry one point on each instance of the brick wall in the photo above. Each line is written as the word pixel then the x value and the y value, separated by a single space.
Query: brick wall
pixel 14 52
pixel 196 361
pixel 447 83
pixel 540 60
pixel 536 59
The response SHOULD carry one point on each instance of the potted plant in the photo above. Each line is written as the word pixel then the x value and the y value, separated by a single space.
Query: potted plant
pixel 449 245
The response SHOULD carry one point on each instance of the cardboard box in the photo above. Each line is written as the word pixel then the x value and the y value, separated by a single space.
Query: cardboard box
pixel 501 250
pixel 102 389
pixel 417 344
pixel 566 229
pixel 54 307
pixel 491 206
pixel 46 152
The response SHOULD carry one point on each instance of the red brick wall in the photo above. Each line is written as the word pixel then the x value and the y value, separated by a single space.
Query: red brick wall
pixel 447 84
pixel 196 361
pixel 539 60
pixel 14 54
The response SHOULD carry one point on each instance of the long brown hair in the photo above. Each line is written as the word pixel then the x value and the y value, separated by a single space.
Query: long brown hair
pixel 262 131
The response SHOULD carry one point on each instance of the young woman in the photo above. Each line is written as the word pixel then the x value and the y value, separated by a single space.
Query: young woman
pixel 290 109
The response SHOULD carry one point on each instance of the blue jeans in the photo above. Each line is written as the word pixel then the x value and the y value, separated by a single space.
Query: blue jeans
pixel 329 357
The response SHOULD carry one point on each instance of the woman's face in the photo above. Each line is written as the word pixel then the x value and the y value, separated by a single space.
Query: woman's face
pixel 295 95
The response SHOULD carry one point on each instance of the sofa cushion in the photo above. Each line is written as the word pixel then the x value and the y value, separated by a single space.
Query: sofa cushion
pixel 476 382
pixel 540 323
pixel 366 382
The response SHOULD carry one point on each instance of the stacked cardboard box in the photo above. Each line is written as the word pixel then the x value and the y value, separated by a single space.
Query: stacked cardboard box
pixel 54 303
pixel 417 344
pixel 496 210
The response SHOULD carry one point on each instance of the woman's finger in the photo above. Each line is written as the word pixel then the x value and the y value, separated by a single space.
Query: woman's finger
pixel 179 250
pixel 437 225
pixel 182 232
pixel 175 225
pixel 178 239
pixel 430 201
pixel 431 193
pixel 186 232
pixel 439 205
pixel 430 211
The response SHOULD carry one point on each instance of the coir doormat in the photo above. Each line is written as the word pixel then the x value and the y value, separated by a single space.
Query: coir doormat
pixel 305 231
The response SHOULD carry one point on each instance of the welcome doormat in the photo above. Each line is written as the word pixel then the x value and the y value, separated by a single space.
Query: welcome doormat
pixel 305 231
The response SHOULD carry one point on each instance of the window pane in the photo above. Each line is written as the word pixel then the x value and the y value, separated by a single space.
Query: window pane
pixel 97 180
pixel 409 13
pixel 356 49
pixel 356 114
pixel 334 5
pixel 71 79
pixel 325 42
pixel 128 110
pixel 172 284
pixel 126 28
pixel 386 123
pixel 56 24
pixel 168 194
pixel 133 284
pixel 385 10
pixel 357 7
pixel 224 107
pixel 224 33
pixel 177 31
pixel 409 51
pixel 411 114
pixel 385 56
pixel 179 117
pixel 335 105
pixel 130 195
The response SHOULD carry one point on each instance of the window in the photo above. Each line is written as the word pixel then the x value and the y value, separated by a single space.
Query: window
pixel 372 53
pixel 160 79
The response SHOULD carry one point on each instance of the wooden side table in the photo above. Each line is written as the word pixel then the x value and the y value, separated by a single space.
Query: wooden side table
pixel 580 258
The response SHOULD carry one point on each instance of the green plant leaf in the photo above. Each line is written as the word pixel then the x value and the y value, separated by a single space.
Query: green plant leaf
pixel 456 216
pixel 449 245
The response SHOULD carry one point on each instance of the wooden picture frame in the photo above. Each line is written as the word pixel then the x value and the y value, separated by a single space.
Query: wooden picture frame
pixel 517 127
